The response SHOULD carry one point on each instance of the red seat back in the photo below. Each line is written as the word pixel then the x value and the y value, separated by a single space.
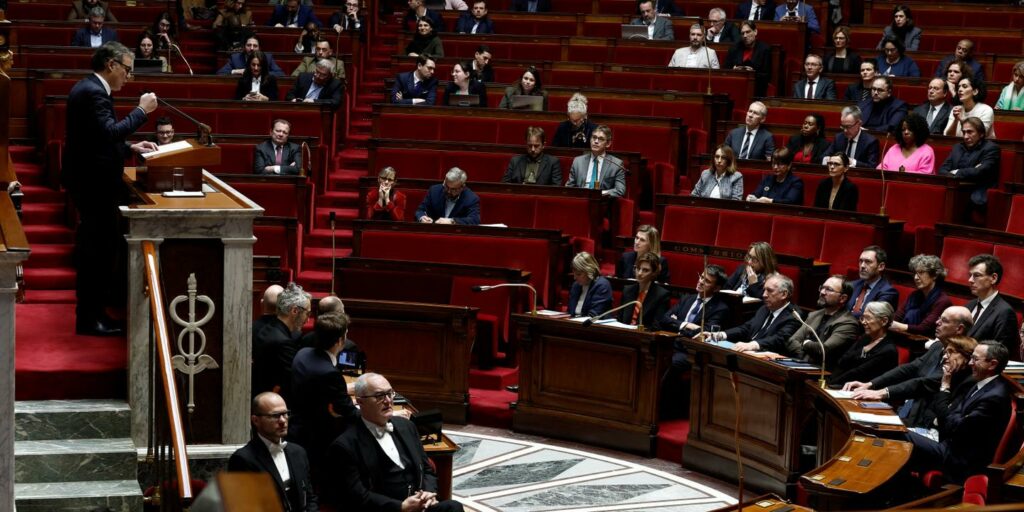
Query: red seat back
pixel 1015 222
pixel 1012 258
pixel 955 254
pixel 797 236
pixel 836 241
pixel 691 225
pixel 739 229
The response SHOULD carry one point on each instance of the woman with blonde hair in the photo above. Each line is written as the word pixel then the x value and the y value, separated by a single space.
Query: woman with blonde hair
pixel 748 279
pixel 647 240
pixel 591 294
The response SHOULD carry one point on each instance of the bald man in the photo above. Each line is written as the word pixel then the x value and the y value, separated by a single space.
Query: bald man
pixel 327 305
pixel 268 307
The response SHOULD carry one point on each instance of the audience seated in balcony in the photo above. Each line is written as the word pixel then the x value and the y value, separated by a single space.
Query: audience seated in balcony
pixel 837 192
pixel 911 153
pixel 721 180
pixel 781 186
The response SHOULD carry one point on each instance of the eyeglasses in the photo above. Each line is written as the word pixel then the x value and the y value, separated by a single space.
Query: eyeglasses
pixel 827 289
pixel 276 416
pixel 387 180
pixel 127 68
pixel 975 359
pixel 879 89
pixel 379 397
pixel 599 138
pixel 834 164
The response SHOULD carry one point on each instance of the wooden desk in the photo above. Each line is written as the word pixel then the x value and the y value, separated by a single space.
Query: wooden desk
pixel 764 503
pixel 595 385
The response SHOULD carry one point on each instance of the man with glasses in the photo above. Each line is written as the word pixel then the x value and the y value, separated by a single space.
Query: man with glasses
pixel 719 30
pixel 833 324
pixel 597 169
pixel 859 145
pixel 320 86
pixel 871 286
pixel 379 464
pixel 450 202
pixel 93 164
pixel 274 347
pixel 164 131
pixel 268 452
pixel 750 141
pixel 884 112
pixel 349 20
pixel 94 34
pixel 994 318
pixel 322 50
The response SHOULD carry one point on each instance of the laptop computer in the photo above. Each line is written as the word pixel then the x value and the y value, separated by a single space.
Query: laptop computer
pixel 460 100
pixel 634 32
pixel 527 102
pixel 148 66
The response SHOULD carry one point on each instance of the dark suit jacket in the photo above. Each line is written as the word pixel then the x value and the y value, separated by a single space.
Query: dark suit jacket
pixel 866 152
pixel 760 60
pixel 94 144
pixel 979 164
pixel 796 145
pixel 524 5
pixel 624 268
pixel 466 210
pixel 883 291
pixel 938 125
pixel 716 312
pixel 273 350
pixel 774 337
pixel 564 135
pixel 264 155
pixel 838 335
pixel 790 191
pixel 549 170
pixel 613 175
pixel 846 198
pixel 329 94
pixel 358 465
pixel 254 457
pixel 663 30
pixel 824 89
pixel 668 7
pixel 655 304
pixel 884 116
pixel 268 87
pixel 318 390
pixel 340 18
pixel 767 11
pixel 997 322
pixel 918 381
pixel 730 33
pixel 404 84
pixel 852 367
pixel 760 149
pixel 970 428
pixel 303 16
pixel 597 301
pixel 466 21
pixel 856 92
pixel 755 290
pixel 476 88
pixel 237 61
pixel 435 19
pixel 849 65
pixel 82 36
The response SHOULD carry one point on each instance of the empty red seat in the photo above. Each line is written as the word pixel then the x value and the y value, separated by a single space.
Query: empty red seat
pixel 1012 258
pixel 797 236
pixel 690 225
pixel 1015 221
pixel 839 242
pixel 956 252
pixel 739 229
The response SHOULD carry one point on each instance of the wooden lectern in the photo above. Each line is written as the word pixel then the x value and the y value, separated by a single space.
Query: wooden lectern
pixel 159 173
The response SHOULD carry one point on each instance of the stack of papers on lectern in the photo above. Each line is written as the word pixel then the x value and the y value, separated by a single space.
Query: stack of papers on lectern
pixel 877 419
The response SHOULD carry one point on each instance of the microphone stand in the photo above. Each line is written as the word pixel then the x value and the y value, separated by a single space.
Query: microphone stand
pixel 533 309
pixel 332 218
pixel 203 130
pixel 881 209
pixel 703 309
pixel 821 378
pixel 639 325
pixel 180 54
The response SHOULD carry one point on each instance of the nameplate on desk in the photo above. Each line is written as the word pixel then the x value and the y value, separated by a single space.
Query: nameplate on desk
pixel 875 419
pixel 183 193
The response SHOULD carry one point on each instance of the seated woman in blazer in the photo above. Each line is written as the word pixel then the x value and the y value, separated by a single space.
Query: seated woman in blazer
pixel 782 186
pixel 721 180
pixel 871 356
pixel 591 294
pixel 653 296
pixel 837 192
pixel 748 279
pixel 257 84
pixel 462 85
pixel 647 240
pixel 528 85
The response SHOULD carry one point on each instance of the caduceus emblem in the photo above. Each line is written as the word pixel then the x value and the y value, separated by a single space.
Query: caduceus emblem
pixel 193 361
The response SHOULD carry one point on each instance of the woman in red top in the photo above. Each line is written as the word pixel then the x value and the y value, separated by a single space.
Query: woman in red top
pixel 810 144
pixel 384 202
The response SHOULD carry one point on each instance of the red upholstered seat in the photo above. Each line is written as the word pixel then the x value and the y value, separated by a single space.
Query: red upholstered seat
pixel 1012 259
pixel 836 241
pixel 1015 221
pixel 975 490
pixel 685 267
pixel 691 225
pixel 492 320
pixel 508 209
pixel 797 236
pixel 955 254
pixel 739 229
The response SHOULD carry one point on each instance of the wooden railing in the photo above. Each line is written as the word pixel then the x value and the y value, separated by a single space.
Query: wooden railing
pixel 167 437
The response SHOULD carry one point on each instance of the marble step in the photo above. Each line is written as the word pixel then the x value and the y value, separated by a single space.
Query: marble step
pixel 38 420
pixel 115 495
pixel 74 460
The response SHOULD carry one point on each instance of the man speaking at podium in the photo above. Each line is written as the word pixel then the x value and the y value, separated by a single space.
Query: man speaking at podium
pixel 94 151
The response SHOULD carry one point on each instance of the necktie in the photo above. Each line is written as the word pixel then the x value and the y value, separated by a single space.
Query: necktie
pixel 977 312
pixel 767 322
pixel 636 308
pixel 823 326
pixel 857 306
pixel 810 91
pixel 757 13
pixel 594 181
pixel 278 154
pixel 931 115
pixel 695 311
pixel 849 148
pixel 745 150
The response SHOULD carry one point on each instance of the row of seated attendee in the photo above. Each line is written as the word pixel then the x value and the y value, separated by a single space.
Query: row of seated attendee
pixel 370 458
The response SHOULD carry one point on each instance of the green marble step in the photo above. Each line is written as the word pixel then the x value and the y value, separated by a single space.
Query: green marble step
pixel 74 460
pixel 117 495
pixel 38 420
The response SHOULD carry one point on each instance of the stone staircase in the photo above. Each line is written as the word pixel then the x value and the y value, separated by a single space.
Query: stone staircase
pixel 74 455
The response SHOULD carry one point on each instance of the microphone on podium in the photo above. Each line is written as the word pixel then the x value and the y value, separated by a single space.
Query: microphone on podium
pixel 483 288
pixel 180 54
pixel 203 130
pixel 639 326
pixel 881 209
pixel 821 379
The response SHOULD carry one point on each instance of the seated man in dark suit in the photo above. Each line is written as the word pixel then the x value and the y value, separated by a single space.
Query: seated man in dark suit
pixel 417 87
pixel 755 10
pixel 417 10
pixel 836 328
pixel 277 155
pixel 658 27
pixel 239 61
pixel 268 306
pixel 319 86
pixel 379 464
pixel 292 15
pixel 94 34
pixel 752 141
pixel 721 31
pixel 798 11
pixel 531 5
pixel 349 20
pixel 535 167
pixel 885 111
pixel 326 306
pixel 860 91
pixel 970 420
pixel 975 159
pixel 859 145
pixel 936 110
pixel 322 50
pixel 450 202
pixel 871 286
pixel 814 86
pixel 269 453
pixel 772 325
pixel 475 20
pixel 274 347
pixel 965 52
pixel 994 318
pixel 321 407
pixel 597 169
pixel 687 317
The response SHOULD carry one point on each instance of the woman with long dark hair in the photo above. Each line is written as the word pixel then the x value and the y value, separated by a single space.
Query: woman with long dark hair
pixel 257 84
